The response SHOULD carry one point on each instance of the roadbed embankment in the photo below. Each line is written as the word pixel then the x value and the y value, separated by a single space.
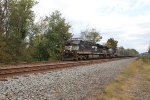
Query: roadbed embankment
pixel 68 84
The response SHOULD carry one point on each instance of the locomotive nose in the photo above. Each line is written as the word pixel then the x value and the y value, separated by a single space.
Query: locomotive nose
pixel 68 48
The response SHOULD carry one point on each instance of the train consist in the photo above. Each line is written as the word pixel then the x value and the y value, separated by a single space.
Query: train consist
pixel 79 49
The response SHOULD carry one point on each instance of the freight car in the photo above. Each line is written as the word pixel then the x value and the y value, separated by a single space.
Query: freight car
pixel 78 49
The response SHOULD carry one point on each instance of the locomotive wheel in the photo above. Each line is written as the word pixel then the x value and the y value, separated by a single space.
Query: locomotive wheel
pixel 101 56
pixel 79 57
pixel 84 57
pixel 76 58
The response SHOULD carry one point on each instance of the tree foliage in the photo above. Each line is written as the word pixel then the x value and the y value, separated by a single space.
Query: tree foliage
pixel 133 51
pixel 111 43
pixel 38 48
pixel 50 41
pixel 149 49
pixel 57 34
pixel 91 35
pixel 15 22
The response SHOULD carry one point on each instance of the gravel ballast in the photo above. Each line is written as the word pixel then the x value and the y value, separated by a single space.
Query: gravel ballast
pixel 75 83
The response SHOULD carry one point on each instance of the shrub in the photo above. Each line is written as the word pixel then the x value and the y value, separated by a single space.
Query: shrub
pixel 146 58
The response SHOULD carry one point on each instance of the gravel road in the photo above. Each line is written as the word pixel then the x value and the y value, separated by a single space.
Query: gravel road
pixel 78 83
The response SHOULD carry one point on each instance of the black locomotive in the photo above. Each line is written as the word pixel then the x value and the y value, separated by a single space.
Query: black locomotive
pixel 79 49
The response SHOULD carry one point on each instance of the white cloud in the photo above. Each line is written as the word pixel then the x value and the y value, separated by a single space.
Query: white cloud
pixel 107 16
pixel 142 46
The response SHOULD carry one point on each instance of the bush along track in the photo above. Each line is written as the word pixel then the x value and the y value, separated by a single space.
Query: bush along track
pixel 132 84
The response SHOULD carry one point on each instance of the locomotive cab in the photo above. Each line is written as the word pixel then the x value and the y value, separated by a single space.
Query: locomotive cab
pixel 71 48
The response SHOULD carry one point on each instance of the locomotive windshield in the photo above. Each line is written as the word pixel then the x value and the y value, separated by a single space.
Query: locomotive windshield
pixel 72 45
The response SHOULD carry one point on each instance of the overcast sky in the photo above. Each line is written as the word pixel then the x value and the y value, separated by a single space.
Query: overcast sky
pixel 127 21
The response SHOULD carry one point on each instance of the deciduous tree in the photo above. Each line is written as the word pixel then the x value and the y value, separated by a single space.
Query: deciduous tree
pixel 51 40
pixel 57 34
pixel 91 35
pixel 15 21
pixel 149 49
pixel 133 51
pixel 111 43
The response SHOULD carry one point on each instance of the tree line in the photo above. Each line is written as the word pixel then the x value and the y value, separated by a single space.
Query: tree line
pixel 149 49
pixel 21 39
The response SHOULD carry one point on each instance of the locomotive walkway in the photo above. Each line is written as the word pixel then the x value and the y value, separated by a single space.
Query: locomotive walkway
pixel 66 84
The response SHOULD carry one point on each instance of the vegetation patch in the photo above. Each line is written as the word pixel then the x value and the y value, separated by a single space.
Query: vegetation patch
pixel 135 76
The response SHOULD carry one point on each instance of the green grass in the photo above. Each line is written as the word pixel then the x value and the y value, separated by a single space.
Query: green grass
pixel 146 58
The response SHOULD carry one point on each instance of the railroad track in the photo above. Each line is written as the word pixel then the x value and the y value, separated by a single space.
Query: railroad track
pixel 20 71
